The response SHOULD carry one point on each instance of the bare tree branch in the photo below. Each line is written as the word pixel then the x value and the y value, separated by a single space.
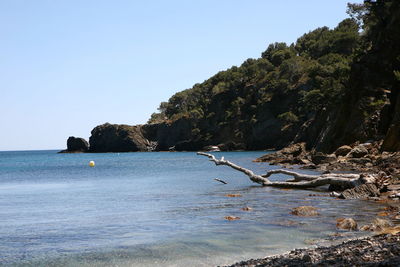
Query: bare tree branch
pixel 299 180
pixel 253 177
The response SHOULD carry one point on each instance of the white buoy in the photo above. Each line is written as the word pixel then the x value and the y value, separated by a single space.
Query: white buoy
pixel 91 163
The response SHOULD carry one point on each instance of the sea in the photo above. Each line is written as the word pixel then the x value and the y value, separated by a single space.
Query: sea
pixel 155 209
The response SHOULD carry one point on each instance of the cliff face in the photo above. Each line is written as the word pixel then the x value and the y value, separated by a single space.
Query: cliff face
pixel 149 137
pixel 118 138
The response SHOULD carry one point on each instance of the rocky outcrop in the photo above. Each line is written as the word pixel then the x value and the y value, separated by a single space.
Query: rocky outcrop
pixel 76 145
pixel 119 138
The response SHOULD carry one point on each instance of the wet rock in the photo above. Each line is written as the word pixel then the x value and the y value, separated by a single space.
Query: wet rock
pixel 343 151
pixel 358 152
pixel 377 225
pixel 305 211
pixel 233 195
pixel 232 218
pixel 361 191
pixel 346 224
pixel 247 209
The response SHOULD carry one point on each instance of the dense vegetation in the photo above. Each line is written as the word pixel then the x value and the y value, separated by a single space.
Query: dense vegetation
pixel 300 92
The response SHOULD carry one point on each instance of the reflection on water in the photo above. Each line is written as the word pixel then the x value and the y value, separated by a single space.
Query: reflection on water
pixel 151 208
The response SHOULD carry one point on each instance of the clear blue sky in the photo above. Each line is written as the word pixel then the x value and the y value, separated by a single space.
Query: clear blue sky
pixel 68 65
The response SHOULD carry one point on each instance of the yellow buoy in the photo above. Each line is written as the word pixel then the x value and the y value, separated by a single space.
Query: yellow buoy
pixel 91 163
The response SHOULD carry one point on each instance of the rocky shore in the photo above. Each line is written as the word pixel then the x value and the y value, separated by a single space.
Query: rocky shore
pixel 380 250
pixel 355 158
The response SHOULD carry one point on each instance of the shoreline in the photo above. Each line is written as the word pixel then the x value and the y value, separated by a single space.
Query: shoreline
pixel 378 250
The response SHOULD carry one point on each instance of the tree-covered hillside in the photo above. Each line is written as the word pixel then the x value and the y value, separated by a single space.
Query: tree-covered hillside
pixel 303 91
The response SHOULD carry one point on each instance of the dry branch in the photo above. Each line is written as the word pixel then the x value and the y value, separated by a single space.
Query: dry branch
pixel 299 180
pixel 221 181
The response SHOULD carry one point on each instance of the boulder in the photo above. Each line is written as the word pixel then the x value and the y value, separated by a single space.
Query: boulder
pixel 75 145
pixel 346 224
pixel 119 138
pixel 343 151
pixel 358 152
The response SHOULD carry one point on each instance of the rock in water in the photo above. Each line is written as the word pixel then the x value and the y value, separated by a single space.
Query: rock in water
pixel 346 224
pixel 76 144
pixel 118 138
pixel 305 211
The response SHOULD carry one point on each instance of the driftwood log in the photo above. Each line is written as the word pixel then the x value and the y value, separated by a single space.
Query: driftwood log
pixel 299 180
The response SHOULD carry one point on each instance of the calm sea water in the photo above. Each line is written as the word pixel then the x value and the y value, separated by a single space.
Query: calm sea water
pixel 146 209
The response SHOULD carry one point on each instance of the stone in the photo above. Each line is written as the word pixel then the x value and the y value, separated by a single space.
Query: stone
pixel 346 224
pixel 232 218
pixel 305 211
pixel 343 151
pixel 233 195
pixel 377 225
pixel 358 152
pixel 361 191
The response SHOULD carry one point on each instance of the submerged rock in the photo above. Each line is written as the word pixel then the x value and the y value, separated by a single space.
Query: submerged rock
pixel 306 211
pixel 346 224
pixel 377 225
pixel 232 218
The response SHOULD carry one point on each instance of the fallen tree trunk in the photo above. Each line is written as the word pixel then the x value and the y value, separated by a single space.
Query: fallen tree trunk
pixel 299 180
